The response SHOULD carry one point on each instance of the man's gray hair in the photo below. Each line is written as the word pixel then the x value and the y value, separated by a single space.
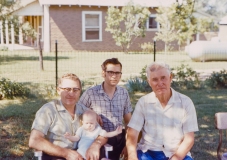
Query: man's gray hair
pixel 154 66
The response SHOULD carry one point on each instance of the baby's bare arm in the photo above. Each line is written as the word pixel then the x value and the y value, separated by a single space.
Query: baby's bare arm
pixel 71 138
pixel 113 133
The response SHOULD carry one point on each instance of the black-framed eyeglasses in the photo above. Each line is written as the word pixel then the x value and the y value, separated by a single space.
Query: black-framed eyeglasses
pixel 70 89
pixel 111 73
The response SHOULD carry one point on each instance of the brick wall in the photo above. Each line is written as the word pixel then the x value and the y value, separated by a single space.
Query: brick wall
pixel 66 28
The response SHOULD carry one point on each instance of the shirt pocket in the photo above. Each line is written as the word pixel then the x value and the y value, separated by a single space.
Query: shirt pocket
pixel 150 127
pixel 178 130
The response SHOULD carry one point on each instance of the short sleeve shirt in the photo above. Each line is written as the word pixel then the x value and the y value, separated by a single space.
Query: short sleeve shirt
pixel 110 110
pixel 163 129
pixel 53 120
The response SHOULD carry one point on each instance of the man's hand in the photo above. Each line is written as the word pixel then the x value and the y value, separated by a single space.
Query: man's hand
pixel 99 120
pixel 124 154
pixel 73 155
pixel 93 152
pixel 174 157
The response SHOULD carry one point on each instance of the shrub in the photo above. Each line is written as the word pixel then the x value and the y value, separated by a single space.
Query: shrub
pixel 147 47
pixel 185 77
pixel 3 48
pixel 143 73
pixel 217 79
pixel 137 84
pixel 9 89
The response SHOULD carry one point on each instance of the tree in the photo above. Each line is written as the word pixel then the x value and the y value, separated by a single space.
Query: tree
pixel 217 8
pixel 178 23
pixel 6 8
pixel 166 32
pixel 126 24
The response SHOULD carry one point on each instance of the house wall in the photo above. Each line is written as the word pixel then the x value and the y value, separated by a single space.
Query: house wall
pixel 66 28
pixel 223 32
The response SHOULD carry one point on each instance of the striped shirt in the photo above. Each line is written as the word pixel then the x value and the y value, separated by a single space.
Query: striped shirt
pixel 112 110
pixel 163 129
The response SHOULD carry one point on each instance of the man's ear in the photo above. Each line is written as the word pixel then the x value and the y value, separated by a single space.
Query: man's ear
pixel 171 77
pixel 148 81
pixel 58 90
pixel 103 74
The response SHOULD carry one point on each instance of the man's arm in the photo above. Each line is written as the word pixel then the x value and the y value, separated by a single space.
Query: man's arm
pixel 38 142
pixel 131 143
pixel 94 149
pixel 184 147
pixel 127 118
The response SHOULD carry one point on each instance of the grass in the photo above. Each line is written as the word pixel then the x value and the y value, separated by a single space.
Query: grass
pixel 87 65
pixel 16 115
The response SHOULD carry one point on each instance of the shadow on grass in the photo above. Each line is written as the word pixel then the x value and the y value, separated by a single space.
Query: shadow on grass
pixel 207 102
pixel 15 58
pixel 16 118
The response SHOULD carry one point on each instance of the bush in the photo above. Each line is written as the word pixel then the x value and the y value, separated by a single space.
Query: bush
pixel 3 48
pixel 137 84
pixel 147 47
pixel 217 79
pixel 10 89
pixel 143 73
pixel 185 77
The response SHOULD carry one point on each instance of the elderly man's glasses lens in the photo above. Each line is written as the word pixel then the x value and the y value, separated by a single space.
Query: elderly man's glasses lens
pixel 111 73
pixel 71 89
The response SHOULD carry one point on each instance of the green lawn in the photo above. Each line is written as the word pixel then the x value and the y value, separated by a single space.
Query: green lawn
pixel 16 115
pixel 23 66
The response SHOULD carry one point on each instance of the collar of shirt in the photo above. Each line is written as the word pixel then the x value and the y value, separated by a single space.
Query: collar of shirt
pixel 175 98
pixel 60 106
pixel 101 90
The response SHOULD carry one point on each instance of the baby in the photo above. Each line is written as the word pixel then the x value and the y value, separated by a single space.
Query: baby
pixel 89 131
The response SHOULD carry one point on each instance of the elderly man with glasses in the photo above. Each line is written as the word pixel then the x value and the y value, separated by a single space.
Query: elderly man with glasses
pixel 112 103
pixel 56 118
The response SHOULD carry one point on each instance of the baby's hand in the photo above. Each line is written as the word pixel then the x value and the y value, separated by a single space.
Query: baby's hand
pixel 67 135
pixel 119 129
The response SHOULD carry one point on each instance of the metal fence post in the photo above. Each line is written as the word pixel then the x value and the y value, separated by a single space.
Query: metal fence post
pixel 56 62
pixel 154 48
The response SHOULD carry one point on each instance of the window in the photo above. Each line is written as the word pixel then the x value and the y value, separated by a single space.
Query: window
pixel 152 24
pixel 91 26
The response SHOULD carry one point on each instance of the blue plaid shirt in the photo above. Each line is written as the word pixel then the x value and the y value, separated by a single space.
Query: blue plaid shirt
pixel 112 110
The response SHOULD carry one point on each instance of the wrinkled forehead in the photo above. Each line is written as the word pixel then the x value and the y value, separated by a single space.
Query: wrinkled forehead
pixel 70 83
pixel 158 68
pixel 114 67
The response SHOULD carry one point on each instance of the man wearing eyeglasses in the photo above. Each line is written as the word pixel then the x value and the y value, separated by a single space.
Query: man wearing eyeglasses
pixel 56 118
pixel 112 103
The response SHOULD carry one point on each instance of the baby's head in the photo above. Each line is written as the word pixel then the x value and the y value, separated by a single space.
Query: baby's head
pixel 89 120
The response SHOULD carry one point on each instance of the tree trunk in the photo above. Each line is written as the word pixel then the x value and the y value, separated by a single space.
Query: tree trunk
pixel 165 48
pixel 40 56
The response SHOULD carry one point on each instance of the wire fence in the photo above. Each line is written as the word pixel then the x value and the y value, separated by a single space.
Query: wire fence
pixel 24 66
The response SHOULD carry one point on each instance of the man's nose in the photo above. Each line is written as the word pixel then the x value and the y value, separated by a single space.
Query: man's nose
pixel 160 83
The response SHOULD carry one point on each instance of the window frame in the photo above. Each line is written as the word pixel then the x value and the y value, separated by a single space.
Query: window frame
pixel 147 24
pixel 84 27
